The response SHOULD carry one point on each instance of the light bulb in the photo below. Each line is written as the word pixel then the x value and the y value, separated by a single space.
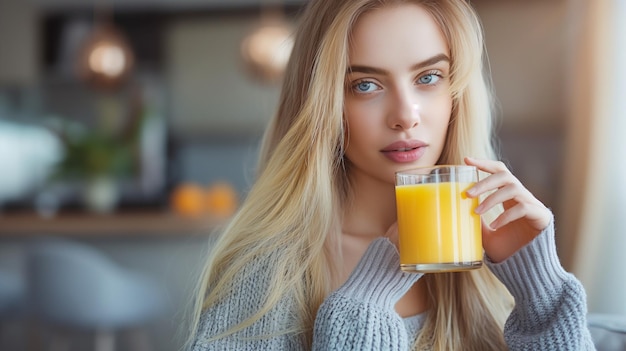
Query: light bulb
pixel 267 49
pixel 108 59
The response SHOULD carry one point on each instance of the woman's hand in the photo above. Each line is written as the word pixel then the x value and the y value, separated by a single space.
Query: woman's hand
pixel 524 216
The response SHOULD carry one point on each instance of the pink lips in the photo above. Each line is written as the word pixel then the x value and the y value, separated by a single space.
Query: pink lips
pixel 405 151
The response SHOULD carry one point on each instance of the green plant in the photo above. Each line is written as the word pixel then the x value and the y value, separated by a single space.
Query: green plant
pixel 109 150
pixel 95 153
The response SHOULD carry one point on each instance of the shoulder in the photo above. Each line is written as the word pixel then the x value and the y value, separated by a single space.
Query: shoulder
pixel 251 295
pixel 248 281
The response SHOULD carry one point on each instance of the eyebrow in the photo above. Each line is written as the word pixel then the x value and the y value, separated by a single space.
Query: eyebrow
pixel 373 70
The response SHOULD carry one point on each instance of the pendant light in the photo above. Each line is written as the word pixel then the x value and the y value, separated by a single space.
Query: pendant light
pixel 266 49
pixel 106 58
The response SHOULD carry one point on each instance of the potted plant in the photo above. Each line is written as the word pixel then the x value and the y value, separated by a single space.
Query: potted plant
pixel 100 157
pixel 98 160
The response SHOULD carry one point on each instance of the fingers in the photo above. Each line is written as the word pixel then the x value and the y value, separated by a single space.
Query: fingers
pixel 504 188
pixel 500 176
pixel 489 166
pixel 495 181
pixel 514 213
pixel 500 179
pixel 505 194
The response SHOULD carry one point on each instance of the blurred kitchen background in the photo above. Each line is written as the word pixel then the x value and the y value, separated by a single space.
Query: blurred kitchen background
pixel 129 131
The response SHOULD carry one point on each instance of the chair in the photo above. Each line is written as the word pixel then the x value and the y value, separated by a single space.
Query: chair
pixel 608 331
pixel 12 293
pixel 12 304
pixel 75 286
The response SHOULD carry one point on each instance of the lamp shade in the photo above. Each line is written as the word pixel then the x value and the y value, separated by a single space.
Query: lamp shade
pixel 106 58
pixel 266 50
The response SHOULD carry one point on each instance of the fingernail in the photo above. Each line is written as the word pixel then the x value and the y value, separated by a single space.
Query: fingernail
pixel 494 225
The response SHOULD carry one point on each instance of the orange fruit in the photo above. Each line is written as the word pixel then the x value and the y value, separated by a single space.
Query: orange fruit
pixel 188 200
pixel 221 199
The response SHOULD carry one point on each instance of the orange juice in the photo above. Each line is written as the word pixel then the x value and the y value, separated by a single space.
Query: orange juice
pixel 438 226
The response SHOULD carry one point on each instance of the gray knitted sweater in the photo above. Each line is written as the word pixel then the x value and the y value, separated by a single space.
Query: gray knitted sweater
pixel 549 312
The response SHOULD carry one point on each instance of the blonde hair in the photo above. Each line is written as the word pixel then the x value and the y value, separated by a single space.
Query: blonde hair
pixel 291 214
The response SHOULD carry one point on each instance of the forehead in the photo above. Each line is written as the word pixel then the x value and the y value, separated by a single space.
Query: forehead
pixel 393 34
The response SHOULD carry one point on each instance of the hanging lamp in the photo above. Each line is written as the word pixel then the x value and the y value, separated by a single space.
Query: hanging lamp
pixel 105 58
pixel 266 49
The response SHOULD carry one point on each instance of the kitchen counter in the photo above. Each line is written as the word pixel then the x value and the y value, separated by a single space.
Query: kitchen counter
pixel 116 224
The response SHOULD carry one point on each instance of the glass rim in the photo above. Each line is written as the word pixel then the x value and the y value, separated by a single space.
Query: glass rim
pixel 417 170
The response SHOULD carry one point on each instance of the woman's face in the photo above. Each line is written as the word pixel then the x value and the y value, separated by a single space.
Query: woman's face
pixel 397 101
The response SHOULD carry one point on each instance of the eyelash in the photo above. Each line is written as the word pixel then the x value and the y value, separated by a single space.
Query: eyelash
pixel 361 81
pixel 429 73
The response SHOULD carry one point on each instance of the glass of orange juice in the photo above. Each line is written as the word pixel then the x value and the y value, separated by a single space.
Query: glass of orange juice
pixel 437 227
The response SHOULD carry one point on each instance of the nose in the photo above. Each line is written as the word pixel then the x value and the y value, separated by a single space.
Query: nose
pixel 405 112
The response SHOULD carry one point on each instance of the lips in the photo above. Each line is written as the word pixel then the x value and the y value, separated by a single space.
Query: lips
pixel 405 151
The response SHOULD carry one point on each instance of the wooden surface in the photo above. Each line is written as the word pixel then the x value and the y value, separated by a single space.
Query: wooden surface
pixel 117 224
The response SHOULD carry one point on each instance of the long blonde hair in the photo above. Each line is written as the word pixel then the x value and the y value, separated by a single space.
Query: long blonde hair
pixel 292 211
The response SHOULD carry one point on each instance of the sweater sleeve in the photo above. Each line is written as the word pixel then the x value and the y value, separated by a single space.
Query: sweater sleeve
pixel 360 315
pixel 550 304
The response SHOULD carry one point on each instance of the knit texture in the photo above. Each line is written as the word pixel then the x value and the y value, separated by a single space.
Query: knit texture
pixel 549 313
pixel 367 301
pixel 550 303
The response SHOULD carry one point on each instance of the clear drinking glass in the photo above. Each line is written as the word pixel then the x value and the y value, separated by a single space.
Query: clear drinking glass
pixel 437 226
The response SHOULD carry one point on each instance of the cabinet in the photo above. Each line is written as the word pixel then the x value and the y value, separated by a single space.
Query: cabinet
pixel 18 43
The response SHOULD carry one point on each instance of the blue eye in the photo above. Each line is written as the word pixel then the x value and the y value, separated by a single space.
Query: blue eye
pixel 429 79
pixel 365 87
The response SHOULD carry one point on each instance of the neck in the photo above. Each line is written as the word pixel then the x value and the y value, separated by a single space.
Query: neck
pixel 371 209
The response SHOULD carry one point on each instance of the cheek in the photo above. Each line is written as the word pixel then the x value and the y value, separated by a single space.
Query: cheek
pixel 355 133
pixel 361 122
pixel 438 120
pixel 442 112
pixel 360 133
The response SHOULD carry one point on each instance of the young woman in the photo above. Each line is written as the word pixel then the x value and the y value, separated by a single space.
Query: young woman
pixel 309 261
